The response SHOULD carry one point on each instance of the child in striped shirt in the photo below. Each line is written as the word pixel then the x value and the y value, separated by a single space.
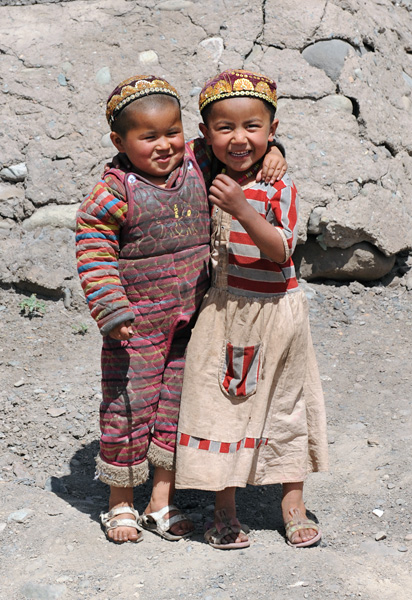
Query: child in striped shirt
pixel 252 408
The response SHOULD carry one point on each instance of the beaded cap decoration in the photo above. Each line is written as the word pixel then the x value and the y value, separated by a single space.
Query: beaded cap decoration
pixel 133 88
pixel 237 82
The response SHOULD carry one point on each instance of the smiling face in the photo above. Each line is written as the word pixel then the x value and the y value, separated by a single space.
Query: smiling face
pixel 239 129
pixel 152 137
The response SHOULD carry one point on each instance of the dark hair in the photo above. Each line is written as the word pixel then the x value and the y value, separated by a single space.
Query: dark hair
pixel 208 109
pixel 127 116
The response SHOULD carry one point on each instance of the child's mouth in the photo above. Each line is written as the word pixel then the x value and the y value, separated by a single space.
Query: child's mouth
pixel 239 155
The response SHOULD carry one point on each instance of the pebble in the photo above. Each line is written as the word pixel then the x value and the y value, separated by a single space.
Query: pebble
pixel 408 537
pixel 390 486
pixel 105 140
pixel 381 535
pixel 16 172
pixel 213 47
pixel 53 484
pixel 402 549
pixel 103 76
pixel 62 79
pixel 373 442
pixel 196 517
pixel 38 591
pixel 148 58
pixel 174 4
pixel 56 412
pixel 378 512
pixel 2 527
pixel 19 516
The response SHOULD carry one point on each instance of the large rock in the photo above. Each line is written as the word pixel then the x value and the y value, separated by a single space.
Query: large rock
pixel 362 262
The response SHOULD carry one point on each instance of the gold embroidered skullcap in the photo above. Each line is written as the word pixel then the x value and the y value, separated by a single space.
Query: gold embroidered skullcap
pixel 237 82
pixel 133 88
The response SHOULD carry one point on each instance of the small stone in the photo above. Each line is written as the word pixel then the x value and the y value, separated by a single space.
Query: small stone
pixel 381 535
pixel 53 484
pixel 38 591
pixel 62 79
pixel 378 512
pixel 56 412
pixel 148 58
pixel 373 442
pixel 20 515
pixel 14 172
pixel 195 517
pixel 2 527
pixel 402 549
pixel 408 537
pixel 105 141
pixel 19 383
pixel 174 5
pixel 390 486
pixel 103 76
pixel 213 47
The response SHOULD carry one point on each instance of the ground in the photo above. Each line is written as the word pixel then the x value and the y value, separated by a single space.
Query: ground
pixel 51 542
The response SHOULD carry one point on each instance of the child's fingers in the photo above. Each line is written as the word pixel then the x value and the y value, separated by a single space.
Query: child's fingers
pixel 278 174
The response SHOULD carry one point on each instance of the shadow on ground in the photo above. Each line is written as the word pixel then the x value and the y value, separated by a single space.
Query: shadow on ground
pixel 259 507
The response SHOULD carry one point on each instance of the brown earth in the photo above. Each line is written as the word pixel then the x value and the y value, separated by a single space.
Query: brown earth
pixel 51 542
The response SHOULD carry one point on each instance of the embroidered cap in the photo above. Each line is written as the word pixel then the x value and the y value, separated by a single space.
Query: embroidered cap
pixel 237 82
pixel 133 88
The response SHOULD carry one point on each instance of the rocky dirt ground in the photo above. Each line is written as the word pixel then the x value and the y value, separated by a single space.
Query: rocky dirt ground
pixel 51 542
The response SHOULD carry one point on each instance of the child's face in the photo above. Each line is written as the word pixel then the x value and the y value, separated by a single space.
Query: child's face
pixel 238 129
pixel 154 142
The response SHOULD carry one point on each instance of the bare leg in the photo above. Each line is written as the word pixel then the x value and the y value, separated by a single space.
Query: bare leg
pixel 292 499
pixel 226 503
pixel 120 496
pixel 162 495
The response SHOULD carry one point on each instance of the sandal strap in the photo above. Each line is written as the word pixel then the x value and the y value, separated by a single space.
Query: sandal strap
pixel 292 526
pixel 163 524
pixel 114 523
pixel 106 518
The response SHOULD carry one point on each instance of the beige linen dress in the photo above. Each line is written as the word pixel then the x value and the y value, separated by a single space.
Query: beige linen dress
pixel 252 408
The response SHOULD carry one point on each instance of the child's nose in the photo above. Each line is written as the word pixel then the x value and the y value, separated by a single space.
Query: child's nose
pixel 239 136
pixel 163 143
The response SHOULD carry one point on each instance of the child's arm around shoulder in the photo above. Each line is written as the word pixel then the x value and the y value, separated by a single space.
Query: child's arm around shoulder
pixel 98 224
pixel 269 235
pixel 274 164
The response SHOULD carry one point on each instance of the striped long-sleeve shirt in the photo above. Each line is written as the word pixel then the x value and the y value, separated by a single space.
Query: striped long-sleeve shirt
pixel 249 271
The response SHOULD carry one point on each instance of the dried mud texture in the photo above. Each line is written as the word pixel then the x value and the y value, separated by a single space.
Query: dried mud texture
pixel 344 72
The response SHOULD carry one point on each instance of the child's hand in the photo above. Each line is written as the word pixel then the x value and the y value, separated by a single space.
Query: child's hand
pixel 227 195
pixel 122 332
pixel 274 167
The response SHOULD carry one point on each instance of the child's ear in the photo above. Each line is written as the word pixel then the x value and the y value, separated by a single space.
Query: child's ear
pixel 272 130
pixel 205 133
pixel 117 141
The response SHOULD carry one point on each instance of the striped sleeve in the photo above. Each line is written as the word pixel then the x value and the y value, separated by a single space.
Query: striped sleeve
pixel 98 223
pixel 283 212
pixel 204 156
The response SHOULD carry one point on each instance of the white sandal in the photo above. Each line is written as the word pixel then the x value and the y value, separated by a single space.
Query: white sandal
pixel 109 522
pixel 156 523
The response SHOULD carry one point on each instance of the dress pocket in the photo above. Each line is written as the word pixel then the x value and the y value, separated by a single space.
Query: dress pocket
pixel 239 369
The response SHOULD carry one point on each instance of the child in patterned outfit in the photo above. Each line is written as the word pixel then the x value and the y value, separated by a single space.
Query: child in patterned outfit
pixel 143 259
pixel 252 408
